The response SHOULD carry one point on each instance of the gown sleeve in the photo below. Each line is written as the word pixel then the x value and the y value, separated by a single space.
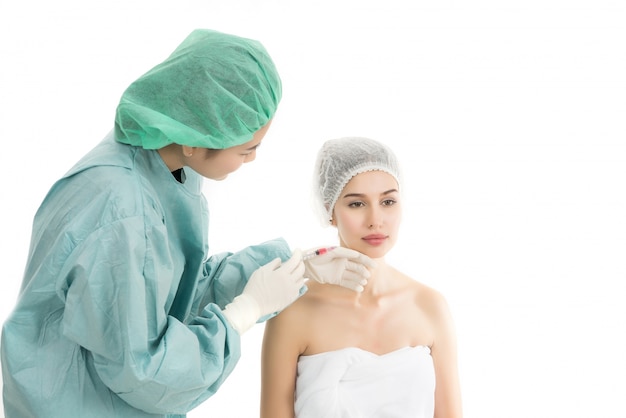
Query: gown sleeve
pixel 118 285
pixel 226 274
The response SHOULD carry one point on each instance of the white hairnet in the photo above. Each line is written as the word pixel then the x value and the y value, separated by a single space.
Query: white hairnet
pixel 343 158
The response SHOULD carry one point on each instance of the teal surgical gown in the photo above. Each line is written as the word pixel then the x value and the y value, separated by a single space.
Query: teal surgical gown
pixel 120 310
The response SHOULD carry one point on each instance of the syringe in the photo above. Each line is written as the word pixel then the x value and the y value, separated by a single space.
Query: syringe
pixel 317 252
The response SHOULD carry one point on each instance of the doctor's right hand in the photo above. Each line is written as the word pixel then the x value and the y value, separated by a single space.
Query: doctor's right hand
pixel 271 288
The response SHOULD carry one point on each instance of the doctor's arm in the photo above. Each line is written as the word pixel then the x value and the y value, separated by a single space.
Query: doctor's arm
pixel 269 289
pixel 225 275
pixel 117 286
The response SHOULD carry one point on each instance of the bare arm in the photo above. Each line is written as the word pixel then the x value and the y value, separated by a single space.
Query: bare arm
pixel 444 353
pixel 279 360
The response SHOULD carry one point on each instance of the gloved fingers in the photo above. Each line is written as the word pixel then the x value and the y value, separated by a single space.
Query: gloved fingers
pixel 272 265
pixel 297 277
pixel 352 255
pixel 364 260
pixel 353 285
pixel 299 274
pixel 352 277
pixel 294 262
pixel 343 252
pixel 297 253
pixel 297 284
pixel 357 269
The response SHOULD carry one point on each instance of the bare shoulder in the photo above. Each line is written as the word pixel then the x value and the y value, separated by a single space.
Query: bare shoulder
pixel 295 319
pixel 432 301
pixel 305 304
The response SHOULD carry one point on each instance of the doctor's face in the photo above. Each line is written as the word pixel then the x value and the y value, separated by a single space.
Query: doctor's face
pixel 218 164
pixel 368 213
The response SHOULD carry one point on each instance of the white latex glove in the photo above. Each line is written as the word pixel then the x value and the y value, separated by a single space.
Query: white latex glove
pixel 271 288
pixel 341 266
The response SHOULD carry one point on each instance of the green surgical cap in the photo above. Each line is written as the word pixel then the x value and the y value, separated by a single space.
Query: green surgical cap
pixel 215 91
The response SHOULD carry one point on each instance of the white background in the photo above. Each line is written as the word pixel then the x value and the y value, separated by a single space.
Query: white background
pixel 508 117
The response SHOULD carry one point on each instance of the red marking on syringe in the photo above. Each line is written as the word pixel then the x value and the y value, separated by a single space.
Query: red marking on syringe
pixel 315 253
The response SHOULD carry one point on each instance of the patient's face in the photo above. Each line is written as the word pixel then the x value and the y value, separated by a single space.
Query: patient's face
pixel 368 213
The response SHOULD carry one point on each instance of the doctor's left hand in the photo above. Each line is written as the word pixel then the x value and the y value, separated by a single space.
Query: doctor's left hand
pixel 341 266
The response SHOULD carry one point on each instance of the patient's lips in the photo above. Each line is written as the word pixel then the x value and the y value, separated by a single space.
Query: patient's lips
pixel 375 239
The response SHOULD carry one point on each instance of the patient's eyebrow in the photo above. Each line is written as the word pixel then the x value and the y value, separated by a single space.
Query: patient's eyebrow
pixel 363 194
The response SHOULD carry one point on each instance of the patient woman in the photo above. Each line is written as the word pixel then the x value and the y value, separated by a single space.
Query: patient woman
pixel 388 351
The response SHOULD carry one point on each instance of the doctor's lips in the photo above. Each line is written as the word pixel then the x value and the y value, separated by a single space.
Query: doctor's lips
pixel 375 239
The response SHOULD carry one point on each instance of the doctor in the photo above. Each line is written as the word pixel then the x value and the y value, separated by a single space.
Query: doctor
pixel 121 312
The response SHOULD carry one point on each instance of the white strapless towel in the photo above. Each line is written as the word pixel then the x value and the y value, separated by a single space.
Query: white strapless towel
pixel 354 383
